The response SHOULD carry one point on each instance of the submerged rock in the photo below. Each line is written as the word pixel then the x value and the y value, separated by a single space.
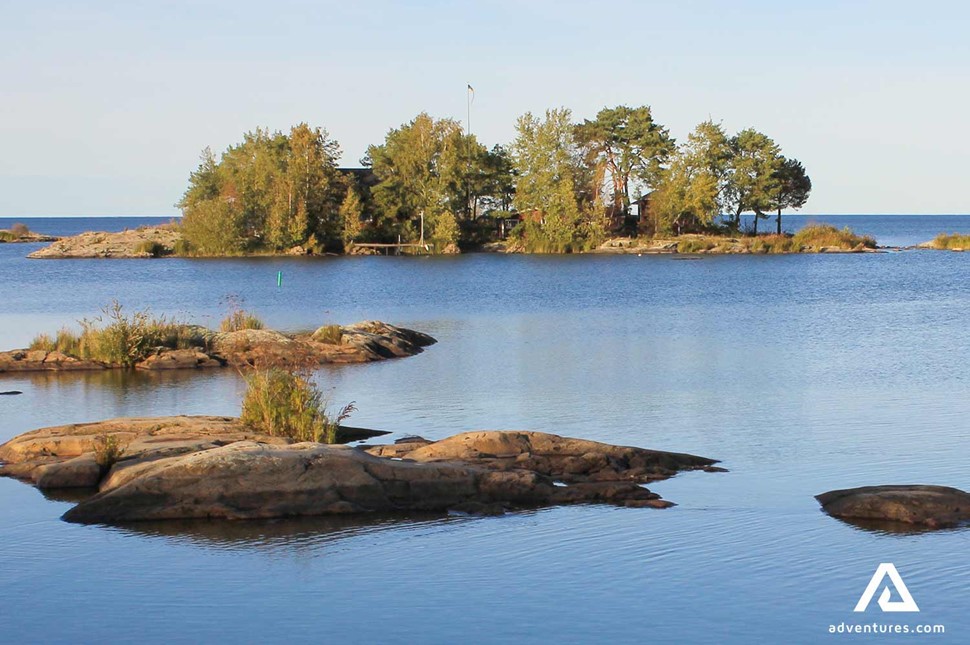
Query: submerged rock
pixel 930 506
pixel 211 467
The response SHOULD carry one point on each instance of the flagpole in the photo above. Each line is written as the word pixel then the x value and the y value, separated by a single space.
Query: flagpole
pixel 468 121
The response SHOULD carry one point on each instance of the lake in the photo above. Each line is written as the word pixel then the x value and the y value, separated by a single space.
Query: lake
pixel 802 373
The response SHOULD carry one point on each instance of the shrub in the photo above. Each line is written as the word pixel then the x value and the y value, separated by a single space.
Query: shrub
pixel 20 230
pixel 238 320
pixel 287 403
pixel 152 248
pixel 108 450
pixel 329 334
pixel 951 241
pixel 816 236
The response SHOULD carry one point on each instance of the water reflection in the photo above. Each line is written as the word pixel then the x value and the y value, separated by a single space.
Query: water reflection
pixel 288 534
pixel 888 527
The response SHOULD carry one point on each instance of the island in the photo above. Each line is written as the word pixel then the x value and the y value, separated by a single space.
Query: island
pixel 197 467
pixel 158 344
pixel 20 233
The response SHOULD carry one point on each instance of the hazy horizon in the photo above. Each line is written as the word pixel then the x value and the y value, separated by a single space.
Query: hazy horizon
pixel 106 107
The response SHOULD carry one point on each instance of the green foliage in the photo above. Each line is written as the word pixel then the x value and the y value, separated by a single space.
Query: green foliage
pixel 425 169
pixel 952 241
pixel 690 193
pixel 551 193
pixel 108 450
pixel 817 236
pixel 630 146
pixel 271 192
pixel 351 212
pixel 238 320
pixel 287 403
pixel 212 228
pixel 756 163
pixel 152 248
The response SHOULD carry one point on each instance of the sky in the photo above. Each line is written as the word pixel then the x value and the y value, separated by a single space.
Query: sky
pixel 105 106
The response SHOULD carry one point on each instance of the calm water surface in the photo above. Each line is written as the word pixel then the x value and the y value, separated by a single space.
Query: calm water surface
pixel 802 373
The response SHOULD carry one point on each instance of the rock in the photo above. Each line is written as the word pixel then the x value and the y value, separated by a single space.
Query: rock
pixel 79 472
pixel 145 242
pixel 930 506
pixel 24 237
pixel 21 360
pixel 144 438
pixel 11 393
pixel 179 359
pixel 211 467
pixel 450 249
pixel 360 343
pixel 562 458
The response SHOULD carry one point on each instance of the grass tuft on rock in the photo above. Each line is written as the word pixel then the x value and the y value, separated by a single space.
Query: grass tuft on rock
pixel 238 319
pixel 329 334
pixel 286 403
pixel 951 242
pixel 818 236
pixel 120 338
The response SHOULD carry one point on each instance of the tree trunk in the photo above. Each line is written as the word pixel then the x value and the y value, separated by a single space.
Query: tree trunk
pixel 778 220
pixel 757 216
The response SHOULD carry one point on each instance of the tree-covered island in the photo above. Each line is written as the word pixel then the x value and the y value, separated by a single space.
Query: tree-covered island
pixel 618 183
pixel 560 186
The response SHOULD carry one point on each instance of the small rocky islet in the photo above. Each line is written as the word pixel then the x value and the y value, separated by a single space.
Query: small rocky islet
pixel 358 343
pixel 216 468
pixel 919 505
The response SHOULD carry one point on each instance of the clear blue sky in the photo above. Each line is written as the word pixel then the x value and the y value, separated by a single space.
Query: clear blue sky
pixel 106 105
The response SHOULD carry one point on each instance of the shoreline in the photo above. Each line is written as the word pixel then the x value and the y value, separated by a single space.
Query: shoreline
pixel 163 242
pixel 362 342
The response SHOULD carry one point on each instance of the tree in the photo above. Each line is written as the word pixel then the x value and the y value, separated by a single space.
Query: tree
pixel 691 192
pixel 284 190
pixel 214 227
pixel 424 168
pixel 794 186
pixel 752 182
pixel 351 211
pixel 546 160
pixel 631 146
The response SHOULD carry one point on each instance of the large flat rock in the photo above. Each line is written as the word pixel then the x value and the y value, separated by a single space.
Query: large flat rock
pixel 212 467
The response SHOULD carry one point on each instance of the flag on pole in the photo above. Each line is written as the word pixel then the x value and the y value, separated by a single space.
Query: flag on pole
pixel 471 92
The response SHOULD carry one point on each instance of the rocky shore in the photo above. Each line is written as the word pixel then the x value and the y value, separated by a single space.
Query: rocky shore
pixel 19 237
pixel 359 343
pixel 145 242
pixel 213 467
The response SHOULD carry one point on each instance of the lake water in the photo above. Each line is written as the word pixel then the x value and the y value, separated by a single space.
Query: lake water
pixel 802 373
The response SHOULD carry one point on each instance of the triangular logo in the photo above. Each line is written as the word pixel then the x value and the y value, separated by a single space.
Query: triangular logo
pixel 906 602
